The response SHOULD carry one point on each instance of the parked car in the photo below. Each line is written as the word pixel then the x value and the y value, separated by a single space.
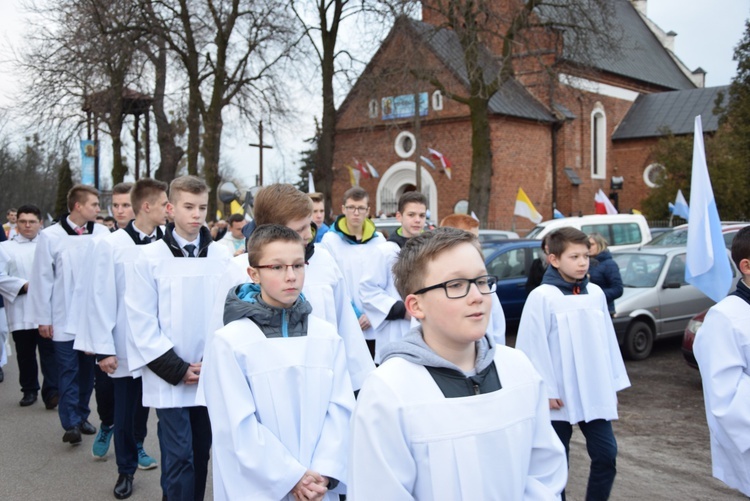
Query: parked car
pixel 656 302
pixel 491 235
pixel 678 236
pixel 622 231
pixel 689 337
pixel 510 260
pixel 655 232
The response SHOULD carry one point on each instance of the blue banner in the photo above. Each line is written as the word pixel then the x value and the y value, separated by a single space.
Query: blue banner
pixel 88 157
pixel 403 106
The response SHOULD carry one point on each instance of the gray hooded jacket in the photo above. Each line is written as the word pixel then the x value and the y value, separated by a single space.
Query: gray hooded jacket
pixel 244 301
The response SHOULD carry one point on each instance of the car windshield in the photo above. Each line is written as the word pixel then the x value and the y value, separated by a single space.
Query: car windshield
pixel 638 269
pixel 675 238
pixel 535 231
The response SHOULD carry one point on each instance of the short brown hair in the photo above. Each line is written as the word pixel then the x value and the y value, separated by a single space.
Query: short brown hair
pixel 189 184
pixel 355 193
pixel 235 218
pixel 122 188
pixel 79 193
pixel 280 203
pixel 460 221
pixel 411 197
pixel 146 189
pixel 266 234
pixel 741 246
pixel 410 269
pixel 316 197
pixel 559 240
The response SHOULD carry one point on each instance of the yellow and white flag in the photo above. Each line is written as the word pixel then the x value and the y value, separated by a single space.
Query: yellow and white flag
pixel 525 208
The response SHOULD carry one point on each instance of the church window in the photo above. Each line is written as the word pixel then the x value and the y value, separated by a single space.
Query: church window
pixel 598 143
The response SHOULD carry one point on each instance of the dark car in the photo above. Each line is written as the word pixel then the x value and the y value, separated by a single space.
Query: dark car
pixel 510 260
pixel 689 337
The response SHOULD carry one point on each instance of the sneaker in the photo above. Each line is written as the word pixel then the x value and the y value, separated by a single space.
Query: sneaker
pixel 102 440
pixel 145 462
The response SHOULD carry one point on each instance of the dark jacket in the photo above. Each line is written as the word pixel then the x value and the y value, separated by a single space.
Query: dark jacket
pixel 552 277
pixel 604 272
pixel 244 301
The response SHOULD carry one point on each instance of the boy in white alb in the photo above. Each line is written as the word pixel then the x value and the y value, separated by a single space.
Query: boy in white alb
pixel 276 384
pixel 58 261
pixel 721 349
pixel 105 332
pixel 567 332
pixel 169 301
pixel 380 299
pixel 449 414
pixel 352 240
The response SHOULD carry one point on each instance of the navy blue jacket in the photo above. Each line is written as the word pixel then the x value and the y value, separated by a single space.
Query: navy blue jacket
pixel 603 271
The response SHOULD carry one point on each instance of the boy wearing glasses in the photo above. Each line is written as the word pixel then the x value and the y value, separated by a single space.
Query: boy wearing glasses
pixel 450 414
pixel 353 242
pixel 168 300
pixel 276 384
pixel 567 333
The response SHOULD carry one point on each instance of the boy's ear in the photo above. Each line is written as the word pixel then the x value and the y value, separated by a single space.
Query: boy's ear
pixel 253 274
pixel 553 260
pixel 413 307
pixel 745 267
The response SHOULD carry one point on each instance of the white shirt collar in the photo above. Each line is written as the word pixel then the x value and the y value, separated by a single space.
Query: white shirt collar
pixel 182 242
pixel 143 235
pixel 23 240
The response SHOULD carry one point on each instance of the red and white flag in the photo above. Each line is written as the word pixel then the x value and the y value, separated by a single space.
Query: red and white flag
pixel 443 160
pixel 603 204
pixel 362 169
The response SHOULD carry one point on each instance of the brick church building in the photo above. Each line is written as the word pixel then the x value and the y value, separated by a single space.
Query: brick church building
pixel 559 139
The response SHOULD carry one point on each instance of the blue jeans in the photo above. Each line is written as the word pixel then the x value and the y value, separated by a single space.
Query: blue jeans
pixel 602 448
pixel 130 419
pixel 185 441
pixel 75 383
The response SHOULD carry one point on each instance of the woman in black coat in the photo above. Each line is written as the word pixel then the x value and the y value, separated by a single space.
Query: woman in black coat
pixel 603 271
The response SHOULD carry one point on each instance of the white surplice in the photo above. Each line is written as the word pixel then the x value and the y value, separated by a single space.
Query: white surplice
pixel 572 343
pixel 16 263
pixel 410 442
pixel 169 302
pixel 58 259
pixel 353 259
pixel 278 407
pixel 722 349
pixel 104 327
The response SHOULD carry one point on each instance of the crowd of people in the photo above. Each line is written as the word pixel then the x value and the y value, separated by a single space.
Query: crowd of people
pixel 315 361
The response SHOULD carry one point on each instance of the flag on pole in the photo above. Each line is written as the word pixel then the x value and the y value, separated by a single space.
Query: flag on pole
pixel 427 161
pixel 236 208
pixel 353 175
pixel 525 208
pixel 556 214
pixel 603 204
pixel 361 168
pixel 373 172
pixel 443 161
pixel 474 216
pixel 670 206
pixel 310 183
pixel 681 207
pixel 707 266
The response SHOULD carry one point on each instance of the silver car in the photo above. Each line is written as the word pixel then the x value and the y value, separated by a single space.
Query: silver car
pixel 656 302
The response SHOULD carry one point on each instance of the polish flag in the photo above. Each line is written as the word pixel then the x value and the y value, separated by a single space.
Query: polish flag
pixel 361 168
pixel 603 204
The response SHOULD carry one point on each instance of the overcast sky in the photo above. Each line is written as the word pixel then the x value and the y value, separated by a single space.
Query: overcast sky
pixel 707 32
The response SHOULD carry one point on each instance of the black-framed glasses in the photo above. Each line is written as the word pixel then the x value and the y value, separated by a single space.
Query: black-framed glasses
pixel 281 268
pixel 459 287
pixel 355 209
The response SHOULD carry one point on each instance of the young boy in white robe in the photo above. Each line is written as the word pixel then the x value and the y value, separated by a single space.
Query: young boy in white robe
pixel 567 332
pixel 169 301
pixel 380 299
pixel 450 414
pixel 276 384
pixel 721 349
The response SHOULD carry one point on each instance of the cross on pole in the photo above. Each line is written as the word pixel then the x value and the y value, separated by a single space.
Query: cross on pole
pixel 260 147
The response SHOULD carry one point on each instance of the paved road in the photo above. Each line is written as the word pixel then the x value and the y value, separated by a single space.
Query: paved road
pixel 662 437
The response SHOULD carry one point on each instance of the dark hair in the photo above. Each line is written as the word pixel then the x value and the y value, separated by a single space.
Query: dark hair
pixel 122 188
pixel 146 189
pixel 316 197
pixel 355 193
pixel 411 197
pixel 741 246
pixel 79 193
pixel 559 240
pixel 411 267
pixel 110 218
pixel 235 218
pixel 29 209
pixel 266 234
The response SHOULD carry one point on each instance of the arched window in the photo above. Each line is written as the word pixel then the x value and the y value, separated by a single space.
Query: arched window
pixel 598 143
pixel 437 100
pixel 373 108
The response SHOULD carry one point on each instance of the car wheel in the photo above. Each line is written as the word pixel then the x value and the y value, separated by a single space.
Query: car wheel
pixel 639 341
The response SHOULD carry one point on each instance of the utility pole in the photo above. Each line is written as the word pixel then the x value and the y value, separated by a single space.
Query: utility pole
pixel 417 130
pixel 260 147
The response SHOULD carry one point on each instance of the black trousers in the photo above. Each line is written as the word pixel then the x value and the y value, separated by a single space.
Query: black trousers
pixel 27 342
pixel 104 391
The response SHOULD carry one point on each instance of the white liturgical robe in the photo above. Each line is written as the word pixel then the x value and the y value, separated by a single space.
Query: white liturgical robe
pixel 410 442
pixel 572 343
pixel 169 303
pixel 16 263
pixel 722 349
pixel 278 407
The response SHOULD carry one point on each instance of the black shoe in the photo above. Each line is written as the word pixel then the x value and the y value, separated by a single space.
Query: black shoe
pixel 52 402
pixel 87 428
pixel 124 486
pixel 73 435
pixel 2 375
pixel 29 397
